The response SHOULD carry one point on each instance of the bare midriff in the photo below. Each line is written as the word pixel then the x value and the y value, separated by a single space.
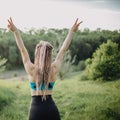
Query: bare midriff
pixel 37 93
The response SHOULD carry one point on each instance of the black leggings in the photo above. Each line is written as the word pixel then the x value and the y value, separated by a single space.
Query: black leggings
pixel 43 110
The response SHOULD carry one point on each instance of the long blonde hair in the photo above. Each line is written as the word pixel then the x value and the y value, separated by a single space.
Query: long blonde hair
pixel 43 60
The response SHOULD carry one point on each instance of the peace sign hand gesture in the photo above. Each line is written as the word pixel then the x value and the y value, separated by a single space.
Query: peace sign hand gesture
pixel 76 25
pixel 11 26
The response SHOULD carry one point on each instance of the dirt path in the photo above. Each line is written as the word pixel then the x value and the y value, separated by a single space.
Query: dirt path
pixel 14 75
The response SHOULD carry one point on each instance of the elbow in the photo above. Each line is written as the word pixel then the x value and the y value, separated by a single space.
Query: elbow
pixel 63 50
pixel 22 50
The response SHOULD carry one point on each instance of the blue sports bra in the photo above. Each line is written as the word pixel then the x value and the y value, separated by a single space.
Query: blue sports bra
pixel 42 86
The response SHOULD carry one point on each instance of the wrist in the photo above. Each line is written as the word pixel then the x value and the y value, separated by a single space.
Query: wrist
pixel 71 30
pixel 16 30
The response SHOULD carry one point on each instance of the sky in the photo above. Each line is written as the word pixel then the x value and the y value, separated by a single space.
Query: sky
pixel 27 14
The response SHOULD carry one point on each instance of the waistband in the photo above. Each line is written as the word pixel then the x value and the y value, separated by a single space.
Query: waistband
pixel 41 98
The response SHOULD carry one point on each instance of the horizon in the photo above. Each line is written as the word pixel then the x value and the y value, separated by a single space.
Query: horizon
pixel 59 14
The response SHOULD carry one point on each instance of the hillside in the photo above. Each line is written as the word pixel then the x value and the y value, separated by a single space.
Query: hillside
pixel 76 99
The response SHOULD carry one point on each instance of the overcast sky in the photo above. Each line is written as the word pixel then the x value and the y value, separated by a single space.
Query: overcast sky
pixel 104 14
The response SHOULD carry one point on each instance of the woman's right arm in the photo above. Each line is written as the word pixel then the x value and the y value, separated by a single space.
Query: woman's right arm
pixel 25 57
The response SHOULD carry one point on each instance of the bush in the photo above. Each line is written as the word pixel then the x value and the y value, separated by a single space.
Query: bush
pixel 105 63
pixel 81 66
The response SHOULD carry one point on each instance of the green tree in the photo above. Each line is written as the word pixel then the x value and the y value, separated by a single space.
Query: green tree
pixel 83 44
pixel 105 64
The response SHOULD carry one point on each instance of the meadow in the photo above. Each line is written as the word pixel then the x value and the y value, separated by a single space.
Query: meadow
pixel 76 99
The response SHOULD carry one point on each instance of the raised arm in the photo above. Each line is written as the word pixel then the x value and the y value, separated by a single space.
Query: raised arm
pixel 58 61
pixel 25 57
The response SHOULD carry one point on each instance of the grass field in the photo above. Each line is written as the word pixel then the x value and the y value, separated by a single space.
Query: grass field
pixel 76 99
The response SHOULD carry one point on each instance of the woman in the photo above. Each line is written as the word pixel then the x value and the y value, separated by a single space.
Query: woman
pixel 42 73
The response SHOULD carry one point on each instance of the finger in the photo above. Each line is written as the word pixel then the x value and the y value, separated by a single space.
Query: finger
pixel 9 22
pixel 11 19
pixel 76 21
pixel 80 23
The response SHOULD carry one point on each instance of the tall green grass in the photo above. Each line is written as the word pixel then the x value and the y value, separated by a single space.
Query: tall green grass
pixel 17 109
pixel 76 99
pixel 5 99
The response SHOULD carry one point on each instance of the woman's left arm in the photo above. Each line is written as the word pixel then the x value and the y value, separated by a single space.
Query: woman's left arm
pixel 58 61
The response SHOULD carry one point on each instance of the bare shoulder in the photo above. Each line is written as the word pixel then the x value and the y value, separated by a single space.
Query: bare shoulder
pixel 55 68
pixel 30 68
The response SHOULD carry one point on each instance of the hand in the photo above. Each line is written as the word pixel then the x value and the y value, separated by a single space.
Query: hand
pixel 76 25
pixel 11 26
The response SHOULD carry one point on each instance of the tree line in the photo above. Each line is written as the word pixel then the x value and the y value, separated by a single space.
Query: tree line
pixel 84 43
